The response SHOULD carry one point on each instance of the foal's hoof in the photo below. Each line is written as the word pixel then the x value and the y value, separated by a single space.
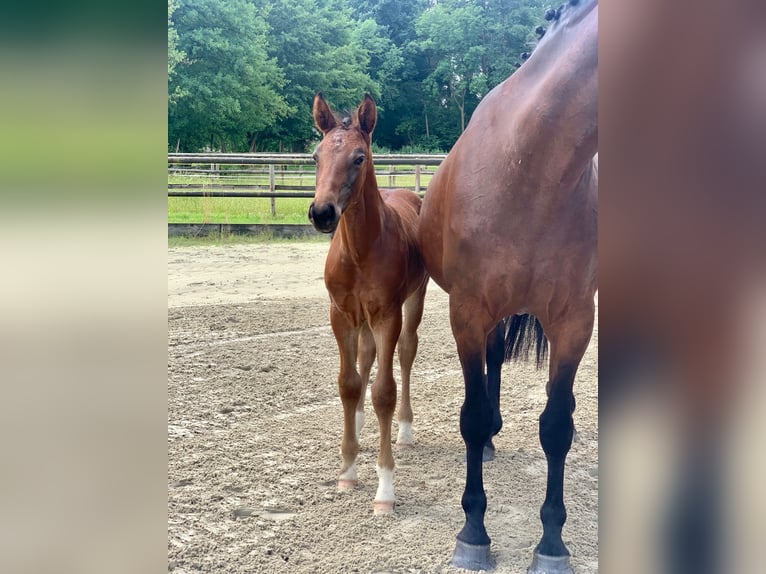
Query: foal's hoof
pixel 542 564
pixel 471 556
pixel 382 507
pixel 346 484
pixel 404 445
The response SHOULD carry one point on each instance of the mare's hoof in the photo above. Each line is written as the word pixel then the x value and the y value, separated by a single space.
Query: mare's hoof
pixel 471 556
pixel 382 507
pixel 404 445
pixel 542 564
pixel 346 484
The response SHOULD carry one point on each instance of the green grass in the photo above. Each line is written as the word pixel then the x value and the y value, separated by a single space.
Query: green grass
pixel 237 210
pixel 231 239
pixel 256 209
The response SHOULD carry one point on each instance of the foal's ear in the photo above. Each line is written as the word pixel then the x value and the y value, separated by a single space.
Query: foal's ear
pixel 323 116
pixel 367 114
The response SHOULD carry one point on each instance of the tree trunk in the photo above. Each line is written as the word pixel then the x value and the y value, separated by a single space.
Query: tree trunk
pixel 425 111
pixel 461 106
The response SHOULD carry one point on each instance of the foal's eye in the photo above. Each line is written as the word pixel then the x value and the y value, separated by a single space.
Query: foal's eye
pixel 315 158
pixel 359 160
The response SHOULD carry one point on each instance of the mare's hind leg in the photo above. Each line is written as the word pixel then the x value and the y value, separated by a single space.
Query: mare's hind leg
pixel 495 357
pixel 349 387
pixel 569 339
pixel 366 357
pixel 386 332
pixel 408 348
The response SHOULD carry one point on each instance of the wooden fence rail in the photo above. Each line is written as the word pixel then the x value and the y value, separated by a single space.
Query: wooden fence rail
pixel 295 159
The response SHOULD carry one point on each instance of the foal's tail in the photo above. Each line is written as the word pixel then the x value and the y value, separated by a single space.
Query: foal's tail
pixel 521 332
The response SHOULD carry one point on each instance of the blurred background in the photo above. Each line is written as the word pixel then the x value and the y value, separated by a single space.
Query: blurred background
pixel 83 289
pixel 681 285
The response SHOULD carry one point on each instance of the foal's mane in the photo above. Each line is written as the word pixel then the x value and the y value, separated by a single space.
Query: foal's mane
pixel 344 119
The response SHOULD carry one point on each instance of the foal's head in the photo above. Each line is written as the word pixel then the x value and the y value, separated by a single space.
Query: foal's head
pixel 343 158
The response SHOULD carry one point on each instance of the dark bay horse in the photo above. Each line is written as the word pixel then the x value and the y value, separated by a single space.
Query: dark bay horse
pixel 373 271
pixel 508 228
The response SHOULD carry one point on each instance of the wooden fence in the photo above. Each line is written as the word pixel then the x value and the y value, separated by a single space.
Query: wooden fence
pixel 274 176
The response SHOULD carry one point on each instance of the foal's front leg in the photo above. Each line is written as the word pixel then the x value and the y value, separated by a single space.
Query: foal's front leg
pixel 386 332
pixel 350 388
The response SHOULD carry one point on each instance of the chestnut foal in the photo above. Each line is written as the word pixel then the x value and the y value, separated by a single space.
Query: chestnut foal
pixel 373 271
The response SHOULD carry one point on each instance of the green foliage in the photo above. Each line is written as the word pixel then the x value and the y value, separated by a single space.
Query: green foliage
pixel 243 73
pixel 448 35
pixel 318 48
pixel 230 87
pixel 175 56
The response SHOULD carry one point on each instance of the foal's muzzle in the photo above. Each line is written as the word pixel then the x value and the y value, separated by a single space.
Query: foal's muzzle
pixel 324 217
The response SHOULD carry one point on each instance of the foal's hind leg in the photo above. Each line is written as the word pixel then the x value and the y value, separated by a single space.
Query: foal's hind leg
pixel 366 358
pixel 569 339
pixel 408 348
pixel 349 387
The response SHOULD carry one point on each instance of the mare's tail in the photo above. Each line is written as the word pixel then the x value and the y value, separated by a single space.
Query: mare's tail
pixel 521 333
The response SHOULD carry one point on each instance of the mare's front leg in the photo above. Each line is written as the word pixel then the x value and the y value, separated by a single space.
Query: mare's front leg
pixel 386 332
pixel 350 388
pixel 569 339
pixel 470 328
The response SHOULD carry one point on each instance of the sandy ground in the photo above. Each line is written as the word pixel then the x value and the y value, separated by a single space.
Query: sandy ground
pixel 254 426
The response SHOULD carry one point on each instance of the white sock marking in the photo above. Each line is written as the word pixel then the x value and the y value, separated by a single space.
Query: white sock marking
pixel 405 435
pixel 385 485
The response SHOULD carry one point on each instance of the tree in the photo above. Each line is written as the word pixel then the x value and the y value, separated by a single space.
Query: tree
pixel 175 56
pixel 509 31
pixel 403 120
pixel 242 74
pixel 317 47
pixel 450 36
pixel 229 86
pixel 472 46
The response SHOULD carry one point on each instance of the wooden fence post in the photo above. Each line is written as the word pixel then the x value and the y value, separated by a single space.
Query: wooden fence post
pixel 271 189
pixel 417 179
